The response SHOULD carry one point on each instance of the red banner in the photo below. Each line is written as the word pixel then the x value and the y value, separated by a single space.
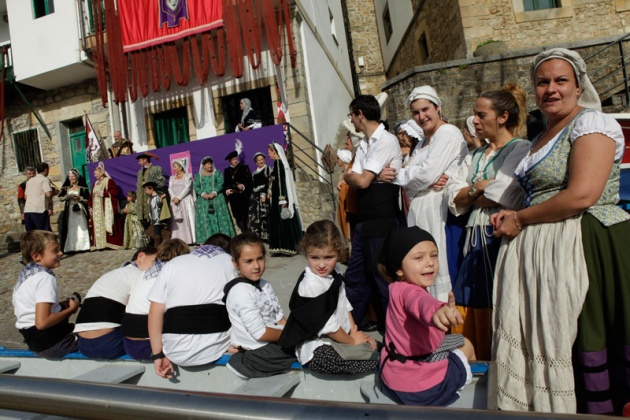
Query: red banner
pixel 151 22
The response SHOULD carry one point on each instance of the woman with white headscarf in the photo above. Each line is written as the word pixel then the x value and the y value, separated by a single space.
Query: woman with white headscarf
pixel 212 214
pixel 439 154
pixel 470 135
pixel 180 189
pixel 285 224
pixel 409 135
pixel 105 226
pixel 562 274
pixel 73 221
pixel 249 118
pixel 258 213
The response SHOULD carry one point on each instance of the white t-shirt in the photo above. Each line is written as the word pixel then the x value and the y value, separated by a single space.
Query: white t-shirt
pixel 138 302
pixel 115 285
pixel 191 280
pixel 35 192
pixel 251 312
pixel 39 288
pixel 312 286
pixel 380 150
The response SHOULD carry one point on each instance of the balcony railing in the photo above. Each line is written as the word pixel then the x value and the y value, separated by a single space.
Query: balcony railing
pixel 6 60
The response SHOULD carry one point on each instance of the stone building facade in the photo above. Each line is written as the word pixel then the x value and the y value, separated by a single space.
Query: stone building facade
pixel 459 82
pixel 455 29
pixel 368 60
pixel 62 107
pixel 58 108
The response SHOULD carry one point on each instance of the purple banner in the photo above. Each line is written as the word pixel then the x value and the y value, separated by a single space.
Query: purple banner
pixel 124 169
pixel 171 11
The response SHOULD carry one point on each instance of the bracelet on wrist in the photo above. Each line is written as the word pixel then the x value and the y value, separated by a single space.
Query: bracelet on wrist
pixel 158 356
pixel 518 226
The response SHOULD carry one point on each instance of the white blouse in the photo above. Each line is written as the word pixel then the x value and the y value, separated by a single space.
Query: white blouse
pixel 588 123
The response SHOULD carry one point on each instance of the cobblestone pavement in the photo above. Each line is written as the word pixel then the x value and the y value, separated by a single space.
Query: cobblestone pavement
pixel 79 271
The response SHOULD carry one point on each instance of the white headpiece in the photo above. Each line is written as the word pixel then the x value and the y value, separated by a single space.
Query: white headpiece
pixel 354 135
pixel 470 126
pixel 344 155
pixel 424 92
pixel 411 128
pixel 588 96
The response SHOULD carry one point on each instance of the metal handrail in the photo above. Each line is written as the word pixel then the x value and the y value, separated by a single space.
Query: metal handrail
pixel 621 59
pixel 329 180
pixel 98 401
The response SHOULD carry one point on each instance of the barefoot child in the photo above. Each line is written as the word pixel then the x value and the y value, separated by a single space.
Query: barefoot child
pixel 420 364
pixel 256 316
pixel 41 319
pixel 134 232
pixel 321 323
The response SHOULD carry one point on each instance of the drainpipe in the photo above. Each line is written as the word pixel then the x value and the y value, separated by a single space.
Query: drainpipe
pixel 353 70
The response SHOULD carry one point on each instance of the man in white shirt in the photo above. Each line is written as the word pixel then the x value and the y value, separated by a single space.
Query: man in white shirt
pixel 38 194
pixel 379 211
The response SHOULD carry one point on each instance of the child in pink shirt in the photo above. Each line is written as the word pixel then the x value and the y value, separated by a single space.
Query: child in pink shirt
pixel 420 364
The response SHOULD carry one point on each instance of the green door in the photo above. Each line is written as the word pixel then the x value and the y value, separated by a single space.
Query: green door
pixel 171 127
pixel 77 149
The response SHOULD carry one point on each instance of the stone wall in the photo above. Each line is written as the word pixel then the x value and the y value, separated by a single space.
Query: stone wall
pixel 444 33
pixel 459 83
pixel 505 20
pixel 365 43
pixel 54 107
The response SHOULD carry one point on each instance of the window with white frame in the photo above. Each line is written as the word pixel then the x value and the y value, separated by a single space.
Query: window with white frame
pixel 27 150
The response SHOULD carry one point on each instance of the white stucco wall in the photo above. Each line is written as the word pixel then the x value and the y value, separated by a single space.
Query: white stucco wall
pixel 328 97
pixel 42 46
pixel 327 67
pixel 401 14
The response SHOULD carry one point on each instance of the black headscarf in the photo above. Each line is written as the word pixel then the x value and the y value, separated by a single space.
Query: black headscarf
pixel 397 245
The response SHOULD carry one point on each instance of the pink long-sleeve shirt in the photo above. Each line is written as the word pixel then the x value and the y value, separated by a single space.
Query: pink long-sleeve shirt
pixel 410 327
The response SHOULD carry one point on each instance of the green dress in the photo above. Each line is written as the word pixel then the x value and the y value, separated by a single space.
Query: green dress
pixel 212 215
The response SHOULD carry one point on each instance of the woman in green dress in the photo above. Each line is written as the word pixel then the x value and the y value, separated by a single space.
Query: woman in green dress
pixel 212 215
pixel 285 224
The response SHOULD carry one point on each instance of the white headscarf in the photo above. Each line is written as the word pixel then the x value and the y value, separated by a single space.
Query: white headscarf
pixel 424 92
pixel 206 159
pixel 355 136
pixel 101 166
pixel 287 177
pixel 183 162
pixel 412 129
pixel 588 96
pixel 247 105
pixel 344 155
pixel 471 127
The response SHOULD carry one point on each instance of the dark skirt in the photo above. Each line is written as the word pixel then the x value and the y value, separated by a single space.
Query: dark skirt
pixel 284 234
pixel 259 217
pixel 265 361
pixel 442 394
pixel 602 348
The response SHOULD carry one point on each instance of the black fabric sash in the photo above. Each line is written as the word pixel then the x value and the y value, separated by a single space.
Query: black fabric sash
pixel 378 201
pixel 101 309
pixel 135 325
pixel 40 340
pixel 236 281
pixel 196 319
pixel 309 315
